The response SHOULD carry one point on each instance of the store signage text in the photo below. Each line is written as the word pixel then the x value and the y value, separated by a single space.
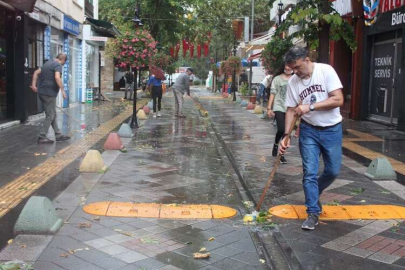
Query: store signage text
pixel 387 5
pixel 384 70
pixel 398 18
pixel 71 26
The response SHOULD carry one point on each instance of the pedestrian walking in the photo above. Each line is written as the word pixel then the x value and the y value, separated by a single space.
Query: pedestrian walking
pixel 314 92
pixel 262 87
pixel 129 84
pixel 243 78
pixel 49 83
pixel 155 83
pixel 181 86
pixel 276 106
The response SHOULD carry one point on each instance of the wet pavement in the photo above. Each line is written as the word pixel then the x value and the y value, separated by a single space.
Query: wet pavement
pixel 174 161
pixel 356 244
pixel 223 159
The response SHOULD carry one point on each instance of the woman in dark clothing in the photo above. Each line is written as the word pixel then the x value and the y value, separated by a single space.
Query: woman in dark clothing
pixel 157 92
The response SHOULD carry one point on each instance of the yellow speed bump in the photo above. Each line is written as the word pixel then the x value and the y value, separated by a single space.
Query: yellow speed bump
pixel 342 212
pixel 154 210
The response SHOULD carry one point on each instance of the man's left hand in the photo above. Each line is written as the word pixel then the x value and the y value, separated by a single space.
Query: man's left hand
pixel 301 110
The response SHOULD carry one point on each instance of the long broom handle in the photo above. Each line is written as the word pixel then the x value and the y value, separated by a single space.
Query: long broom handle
pixel 273 172
pixel 77 121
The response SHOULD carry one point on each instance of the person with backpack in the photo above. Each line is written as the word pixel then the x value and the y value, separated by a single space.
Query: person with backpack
pixel 155 83
pixel 129 78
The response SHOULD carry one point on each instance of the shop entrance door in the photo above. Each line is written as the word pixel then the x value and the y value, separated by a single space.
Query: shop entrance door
pixel 383 81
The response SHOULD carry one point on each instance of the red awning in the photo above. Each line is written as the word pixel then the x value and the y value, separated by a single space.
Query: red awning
pixel 24 5
pixel 255 56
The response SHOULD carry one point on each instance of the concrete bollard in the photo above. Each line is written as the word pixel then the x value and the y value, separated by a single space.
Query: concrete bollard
pixel 38 217
pixel 250 106
pixel 113 142
pixel 243 103
pixel 125 131
pixel 146 109
pixel 380 169
pixel 141 115
pixel 92 163
pixel 258 110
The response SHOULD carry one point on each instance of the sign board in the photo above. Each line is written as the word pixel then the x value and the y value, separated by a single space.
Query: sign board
pixel 70 25
pixel 96 38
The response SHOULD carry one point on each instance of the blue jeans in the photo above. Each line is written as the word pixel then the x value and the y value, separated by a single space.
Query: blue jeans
pixel 312 143
pixel 261 92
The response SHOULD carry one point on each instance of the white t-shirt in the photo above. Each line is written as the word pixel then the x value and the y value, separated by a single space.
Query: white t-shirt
pixel 316 89
pixel 266 81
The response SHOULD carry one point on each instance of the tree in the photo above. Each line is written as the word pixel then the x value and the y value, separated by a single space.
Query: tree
pixel 316 28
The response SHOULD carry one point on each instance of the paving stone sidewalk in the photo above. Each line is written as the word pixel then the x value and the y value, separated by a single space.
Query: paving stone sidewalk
pixel 168 161
pixel 356 244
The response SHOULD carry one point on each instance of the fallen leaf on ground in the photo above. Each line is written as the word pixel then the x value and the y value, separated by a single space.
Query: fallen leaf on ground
pixel 149 241
pixel 37 154
pixel 363 201
pixel 127 234
pixel 118 230
pixel 211 239
pixel 10 241
pixel 262 261
pixel 64 255
pixel 71 251
pixel 321 222
pixel 189 243
pixel 23 246
pixel 203 249
pixel 85 225
pixel 97 218
pixel 198 255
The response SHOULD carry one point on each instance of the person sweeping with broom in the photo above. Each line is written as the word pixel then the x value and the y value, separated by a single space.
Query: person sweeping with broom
pixel 319 89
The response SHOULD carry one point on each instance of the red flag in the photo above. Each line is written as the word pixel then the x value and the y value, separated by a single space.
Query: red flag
pixel 177 50
pixel 185 47
pixel 171 51
pixel 198 50
pixel 206 49
pixel 191 50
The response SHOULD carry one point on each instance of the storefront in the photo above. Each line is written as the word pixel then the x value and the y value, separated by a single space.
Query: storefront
pixel 6 65
pixel 383 88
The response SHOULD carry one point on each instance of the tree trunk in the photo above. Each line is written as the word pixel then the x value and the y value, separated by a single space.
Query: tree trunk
pixel 323 49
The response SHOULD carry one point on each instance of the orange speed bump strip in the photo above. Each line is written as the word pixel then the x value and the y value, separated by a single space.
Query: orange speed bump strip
pixel 154 210
pixel 342 212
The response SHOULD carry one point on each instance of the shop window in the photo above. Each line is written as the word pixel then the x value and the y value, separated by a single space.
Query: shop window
pixel 35 46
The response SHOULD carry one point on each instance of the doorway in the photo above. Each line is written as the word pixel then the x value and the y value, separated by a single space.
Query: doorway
pixel 384 80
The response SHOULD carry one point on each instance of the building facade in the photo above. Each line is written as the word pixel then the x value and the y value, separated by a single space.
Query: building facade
pixel 383 90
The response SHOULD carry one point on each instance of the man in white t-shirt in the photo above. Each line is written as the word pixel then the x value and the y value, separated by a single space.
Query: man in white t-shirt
pixel 315 94
pixel 262 88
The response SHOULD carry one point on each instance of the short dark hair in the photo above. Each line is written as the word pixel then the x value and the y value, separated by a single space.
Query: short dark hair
pixel 191 70
pixel 294 54
pixel 62 56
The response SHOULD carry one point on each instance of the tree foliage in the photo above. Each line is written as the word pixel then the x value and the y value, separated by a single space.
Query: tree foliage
pixel 306 17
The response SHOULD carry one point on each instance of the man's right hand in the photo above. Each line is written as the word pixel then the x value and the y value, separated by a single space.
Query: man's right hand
pixel 64 95
pixel 34 88
pixel 282 146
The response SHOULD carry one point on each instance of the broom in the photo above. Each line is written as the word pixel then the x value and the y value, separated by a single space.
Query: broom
pixel 82 126
pixel 273 172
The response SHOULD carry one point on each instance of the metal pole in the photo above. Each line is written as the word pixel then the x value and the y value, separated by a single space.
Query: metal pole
pixel 134 120
pixel 250 76
pixel 253 19
pixel 234 71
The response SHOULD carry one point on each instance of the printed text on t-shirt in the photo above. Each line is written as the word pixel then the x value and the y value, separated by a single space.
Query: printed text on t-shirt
pixel 312 89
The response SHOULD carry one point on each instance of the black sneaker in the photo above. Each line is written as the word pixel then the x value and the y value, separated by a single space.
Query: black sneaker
pixel 44 140
pixel 320 206
pixel 275 150
pixel 310 222
pixel 61 138
pixel 283 160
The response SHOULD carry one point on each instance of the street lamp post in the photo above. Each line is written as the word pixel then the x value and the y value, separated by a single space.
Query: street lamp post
pixel 137 23
pixel 280 9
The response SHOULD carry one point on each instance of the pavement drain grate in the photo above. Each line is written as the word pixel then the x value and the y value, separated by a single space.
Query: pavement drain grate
pixel 163 211
pixel 17 190
pixel 343 212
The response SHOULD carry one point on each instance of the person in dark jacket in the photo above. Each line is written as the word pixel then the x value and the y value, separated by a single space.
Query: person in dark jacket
pixel 157 93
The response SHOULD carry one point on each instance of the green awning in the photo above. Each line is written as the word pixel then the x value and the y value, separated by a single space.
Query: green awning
pixel 24 5
pixel 104 28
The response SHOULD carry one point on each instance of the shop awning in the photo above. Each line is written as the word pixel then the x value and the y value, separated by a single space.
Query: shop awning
pixel 255 56
pixel 104 28
pixel 24 5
